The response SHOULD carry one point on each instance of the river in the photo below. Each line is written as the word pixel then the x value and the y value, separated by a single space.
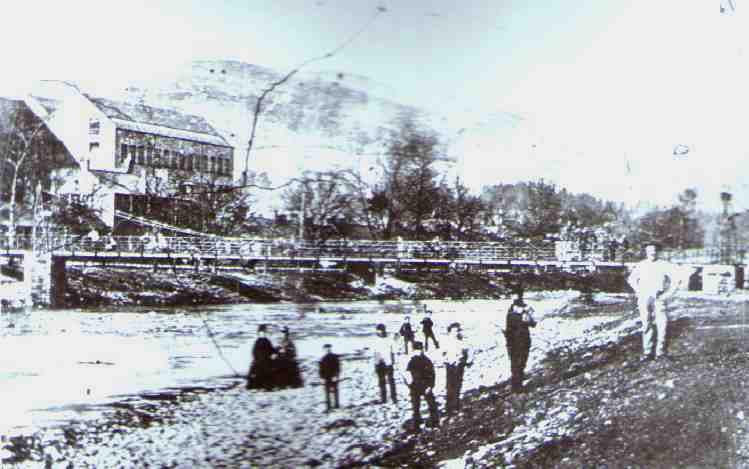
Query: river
pixel 59 365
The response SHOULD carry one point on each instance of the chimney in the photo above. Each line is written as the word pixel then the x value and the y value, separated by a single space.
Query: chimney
pixel 725 198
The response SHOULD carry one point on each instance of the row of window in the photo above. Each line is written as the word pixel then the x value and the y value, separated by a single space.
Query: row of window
pixel 163 158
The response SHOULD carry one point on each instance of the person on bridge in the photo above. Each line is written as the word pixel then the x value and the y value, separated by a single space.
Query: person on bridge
pixel 330 372
pixel 407 332
pixel 260 375
pixel 518 339
pixel 421 384
pixel 383 356
pixel 286 367
pixel 653 282
pixel 427 327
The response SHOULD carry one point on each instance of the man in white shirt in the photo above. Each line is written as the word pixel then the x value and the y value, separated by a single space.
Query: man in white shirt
pixel 654 282
pixel 384 363
pixel 456 356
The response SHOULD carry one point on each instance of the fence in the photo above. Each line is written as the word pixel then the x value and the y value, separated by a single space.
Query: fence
pixel 253 247
pixel 286 248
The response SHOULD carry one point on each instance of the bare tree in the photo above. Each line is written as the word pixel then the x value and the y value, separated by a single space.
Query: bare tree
pixel 26 157
pixel 325 202
pixel 461 213
pixel 408 194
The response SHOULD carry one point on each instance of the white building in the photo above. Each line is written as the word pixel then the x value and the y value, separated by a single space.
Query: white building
pixel 130 157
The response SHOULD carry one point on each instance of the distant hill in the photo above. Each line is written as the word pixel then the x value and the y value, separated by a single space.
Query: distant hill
pixel 314 121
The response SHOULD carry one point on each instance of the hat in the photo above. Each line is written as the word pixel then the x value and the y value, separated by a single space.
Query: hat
pixel 418 345
pixel 380 327
pixel 285 329
pixel 454 325
pixel 262 328
pixel 327 346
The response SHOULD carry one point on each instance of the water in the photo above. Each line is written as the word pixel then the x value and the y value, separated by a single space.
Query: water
pixel 56 365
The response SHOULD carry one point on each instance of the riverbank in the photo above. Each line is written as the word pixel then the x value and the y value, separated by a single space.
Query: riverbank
pixel 590 403
pixel 97 287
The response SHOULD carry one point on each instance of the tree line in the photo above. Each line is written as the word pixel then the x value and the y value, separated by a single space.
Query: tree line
pixel 414 196
pixel 410 193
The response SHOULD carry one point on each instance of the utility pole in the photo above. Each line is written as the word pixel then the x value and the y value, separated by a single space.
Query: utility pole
pixel 302 213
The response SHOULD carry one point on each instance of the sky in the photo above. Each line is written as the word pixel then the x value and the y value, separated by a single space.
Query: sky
pixel 591 95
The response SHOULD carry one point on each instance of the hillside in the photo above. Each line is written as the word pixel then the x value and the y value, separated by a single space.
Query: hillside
pixel 313 121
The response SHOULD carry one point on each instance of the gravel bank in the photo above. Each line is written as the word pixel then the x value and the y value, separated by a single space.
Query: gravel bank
pixel 228 426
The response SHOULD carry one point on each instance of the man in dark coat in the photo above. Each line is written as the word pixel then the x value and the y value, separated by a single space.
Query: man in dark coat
pixel 421 384
pixel 518 338
pixel 427 326
pixel 407 332
pixel 260 375
pixel 330 372
pixel 287 372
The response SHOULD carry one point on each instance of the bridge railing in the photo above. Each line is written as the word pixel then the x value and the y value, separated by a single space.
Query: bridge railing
pixel 252 247
pixel 391 249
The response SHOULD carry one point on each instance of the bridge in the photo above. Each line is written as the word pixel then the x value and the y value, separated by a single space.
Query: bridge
pixel 53 253
pixel 271 252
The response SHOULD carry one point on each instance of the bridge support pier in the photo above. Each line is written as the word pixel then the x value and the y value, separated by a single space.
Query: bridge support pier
pixel 59 283
pixel 37 278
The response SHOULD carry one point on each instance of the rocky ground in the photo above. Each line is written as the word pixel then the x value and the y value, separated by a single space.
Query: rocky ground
pixel 590 403
pixel 599 406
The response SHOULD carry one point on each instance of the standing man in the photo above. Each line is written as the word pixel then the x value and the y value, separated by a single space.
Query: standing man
pixel 260 375
pixel 653 283
pixel 384 363
pixel 518 338
pixel 421 384
pixel 456 358
pixel 427 326
pixel 407 332
pixel 330 372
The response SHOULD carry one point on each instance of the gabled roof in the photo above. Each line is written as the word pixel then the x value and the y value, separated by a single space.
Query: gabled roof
pixel 49 105
pixel 10 104
pixel 160 121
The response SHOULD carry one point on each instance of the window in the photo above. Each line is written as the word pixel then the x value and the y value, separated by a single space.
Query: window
pixel 141 155
pixel 123 152
pixel 149 155
pixel 94 126
pixel 188 162
pixel 167 163
pixel 157 156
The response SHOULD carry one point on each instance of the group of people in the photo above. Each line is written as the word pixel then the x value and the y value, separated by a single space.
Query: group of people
pixel 274 367
pixel 427 328
pixel 652 280
pixel 419 373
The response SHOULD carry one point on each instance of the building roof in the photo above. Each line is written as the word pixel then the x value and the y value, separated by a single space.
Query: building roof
pixel 49 105
pixel 166 122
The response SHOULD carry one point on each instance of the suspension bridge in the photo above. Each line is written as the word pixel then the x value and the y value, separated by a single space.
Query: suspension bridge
pixel 52 253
